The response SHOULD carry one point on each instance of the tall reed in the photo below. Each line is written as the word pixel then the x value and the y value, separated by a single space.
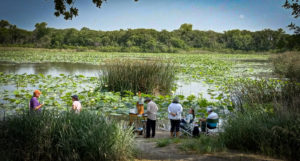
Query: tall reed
pixel 66 136
pixel 148 76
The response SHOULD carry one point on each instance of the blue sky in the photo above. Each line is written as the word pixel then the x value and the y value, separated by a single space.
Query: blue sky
pixel 217 15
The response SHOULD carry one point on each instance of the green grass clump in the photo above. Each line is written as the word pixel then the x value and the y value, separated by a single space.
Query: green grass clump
pixel 203 144
pixel 271 134
pixel 147 76
pixel 65 136
pixel 166 141
pixel 163 142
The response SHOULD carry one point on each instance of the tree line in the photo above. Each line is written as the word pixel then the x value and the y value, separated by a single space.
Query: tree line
pixel 147 40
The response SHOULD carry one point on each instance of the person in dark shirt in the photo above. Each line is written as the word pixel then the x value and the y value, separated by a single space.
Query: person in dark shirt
pixel 34 102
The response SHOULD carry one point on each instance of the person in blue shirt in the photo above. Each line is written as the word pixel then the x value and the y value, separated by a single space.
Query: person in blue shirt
pixel 189 118
pixel 211 115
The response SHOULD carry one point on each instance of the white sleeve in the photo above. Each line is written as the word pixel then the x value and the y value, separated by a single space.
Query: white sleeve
pixel 169 110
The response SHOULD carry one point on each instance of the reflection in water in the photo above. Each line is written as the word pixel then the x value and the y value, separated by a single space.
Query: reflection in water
pixel 194 88
pixel 53 69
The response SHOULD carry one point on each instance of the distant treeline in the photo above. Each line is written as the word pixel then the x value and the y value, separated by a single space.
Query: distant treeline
pixel 147 40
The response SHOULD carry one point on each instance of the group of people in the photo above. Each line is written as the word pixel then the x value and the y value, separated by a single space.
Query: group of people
pixel 174 114
pixel 35 105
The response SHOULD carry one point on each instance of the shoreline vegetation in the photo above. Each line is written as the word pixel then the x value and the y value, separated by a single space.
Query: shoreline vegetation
pixel 263 111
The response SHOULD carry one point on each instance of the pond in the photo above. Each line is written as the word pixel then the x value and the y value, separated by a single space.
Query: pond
pixel 53 69
pixel 56 69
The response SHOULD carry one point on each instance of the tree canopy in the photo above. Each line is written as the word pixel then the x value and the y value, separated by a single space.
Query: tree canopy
pixel 294 5
pixel 68 10
pixel 147 40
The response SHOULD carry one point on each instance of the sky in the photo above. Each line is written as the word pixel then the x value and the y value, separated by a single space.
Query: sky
pixel 216 15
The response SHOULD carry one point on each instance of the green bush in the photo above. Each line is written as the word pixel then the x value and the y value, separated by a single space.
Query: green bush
pixel 147 76
pixel 66 136
pixel 271 134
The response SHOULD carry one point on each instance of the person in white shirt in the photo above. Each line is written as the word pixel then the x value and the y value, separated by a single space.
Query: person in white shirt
pixel 211 115
pixel 76 106
pixel 151 117
pixel 174 111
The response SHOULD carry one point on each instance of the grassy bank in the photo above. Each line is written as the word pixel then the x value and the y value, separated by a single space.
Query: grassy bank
pixel 67 136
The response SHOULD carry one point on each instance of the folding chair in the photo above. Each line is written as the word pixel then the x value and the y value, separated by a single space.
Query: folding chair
pixel 188 129
pixel 213 127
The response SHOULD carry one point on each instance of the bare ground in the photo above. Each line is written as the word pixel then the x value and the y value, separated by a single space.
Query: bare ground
pixel 149 151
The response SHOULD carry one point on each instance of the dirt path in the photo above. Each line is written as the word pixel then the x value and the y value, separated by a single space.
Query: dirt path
pixel 149 151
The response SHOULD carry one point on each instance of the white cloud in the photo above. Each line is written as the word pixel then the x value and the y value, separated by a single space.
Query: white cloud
pixel 242 16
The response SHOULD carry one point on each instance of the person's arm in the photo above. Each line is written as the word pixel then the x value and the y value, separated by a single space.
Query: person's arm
pixel 74 107
pixel 36 105
pixel 170 112
pixel 148 109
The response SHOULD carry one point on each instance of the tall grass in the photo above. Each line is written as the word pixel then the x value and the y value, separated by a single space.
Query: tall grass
pixel 148 76
pixel 270 134
pixel 267 119
pixel 270 95
pixel 287 65
pixel 66 136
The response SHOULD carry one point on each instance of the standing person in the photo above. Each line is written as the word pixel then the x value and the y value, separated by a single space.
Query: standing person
pixel 76 106
pixel 175 110
pixel 151 120
pixel 34 102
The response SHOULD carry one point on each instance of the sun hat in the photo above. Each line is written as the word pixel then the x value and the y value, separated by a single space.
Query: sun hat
pixel 75 97
pixel 37 92
pixel 176 100
pixel 147 99
pixel 209 108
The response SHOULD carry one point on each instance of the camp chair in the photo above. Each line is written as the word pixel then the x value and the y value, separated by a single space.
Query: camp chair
pixel 214 126
pixel 188 129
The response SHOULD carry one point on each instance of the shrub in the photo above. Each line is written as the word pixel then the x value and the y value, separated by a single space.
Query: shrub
pixel 271 134
pixel 66 136
pixel 287 65
pixel 147 76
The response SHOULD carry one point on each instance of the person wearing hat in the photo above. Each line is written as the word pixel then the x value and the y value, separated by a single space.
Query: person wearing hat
pixel 175 110
pixel 76 106
pixel 34 102
pixel 151 117
pixel 211 115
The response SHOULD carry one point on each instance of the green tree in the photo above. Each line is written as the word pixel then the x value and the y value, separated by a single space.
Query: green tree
pixel 295 6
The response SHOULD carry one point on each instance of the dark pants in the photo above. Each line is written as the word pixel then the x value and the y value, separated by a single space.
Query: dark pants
pixel 150 125
pixel 175 125
pixel 203 126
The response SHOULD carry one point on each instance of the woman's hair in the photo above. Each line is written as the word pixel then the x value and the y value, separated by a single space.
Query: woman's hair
pixel 193 113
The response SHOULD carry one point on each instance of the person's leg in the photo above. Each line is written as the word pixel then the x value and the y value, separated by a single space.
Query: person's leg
pixel 203 126
pixel 153 128
pixel 172 128
pixel 177 124
pixel 148 125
